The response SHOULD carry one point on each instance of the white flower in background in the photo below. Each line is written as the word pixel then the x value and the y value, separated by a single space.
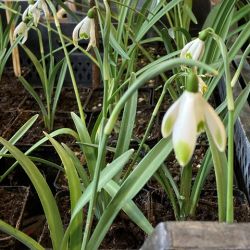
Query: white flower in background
pixel 34 11
pixel 42 5
pixel 31 13
pixel 21 29
pixel 85 30
pixel 193 50
pixel 186 119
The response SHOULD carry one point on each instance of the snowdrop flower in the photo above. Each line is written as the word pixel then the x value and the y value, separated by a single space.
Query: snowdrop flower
pixel 86 30
pixel 34 11
pixel 31 13
pixel 193 50
pixel 21 29
pixel 188 117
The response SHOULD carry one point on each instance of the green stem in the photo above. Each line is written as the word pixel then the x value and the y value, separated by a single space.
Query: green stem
pixel 220 177
pixel 230 173
pixel 154 71
pixel 47 119
pixel 58 27
pixel 91 211
pixel 185 188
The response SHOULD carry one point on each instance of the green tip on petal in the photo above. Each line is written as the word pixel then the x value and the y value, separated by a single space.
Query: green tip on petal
pixel 192 84
pixel 200 127
pixel 167 126
pixel 188 55
pixel 84 36
pixel 219 140
pixel 183 153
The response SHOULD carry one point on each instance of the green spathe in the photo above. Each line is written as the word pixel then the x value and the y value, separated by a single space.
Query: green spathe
pixel 192 84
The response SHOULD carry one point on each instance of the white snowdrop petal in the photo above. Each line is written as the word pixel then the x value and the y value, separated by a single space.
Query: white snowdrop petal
pixel 85 28
pixel 194 48
pixel 92 41
pixel 170 118
pixel 199 112
pixel 25 14
pixel 75 34
pixel 185 130
pixel 45 8
pixel 198 50
pixel 25 37
pixel 215 127
pixel 185 49
pixel 21 29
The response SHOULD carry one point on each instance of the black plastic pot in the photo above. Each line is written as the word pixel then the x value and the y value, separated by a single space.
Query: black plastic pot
pixel 242 131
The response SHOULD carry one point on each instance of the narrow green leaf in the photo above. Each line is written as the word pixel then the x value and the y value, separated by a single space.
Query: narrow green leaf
pixel 106 175
pixel 19 235
pixel 89 153
pixel 59 86
pixel 127 124
pixel 36 63
pixel 45 195
pixel 74 190
pixel 131 186
pixel 31 90
pixel 20 132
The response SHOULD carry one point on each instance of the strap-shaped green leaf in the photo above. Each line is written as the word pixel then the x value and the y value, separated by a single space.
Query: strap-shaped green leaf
pixel 19 235
pixel 131 186
pixel 74 190
pixel 45 195
pixel 105 176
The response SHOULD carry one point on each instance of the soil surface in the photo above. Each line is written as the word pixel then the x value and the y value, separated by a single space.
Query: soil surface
pixel 12 93
pixel 12 204
pixel 36 131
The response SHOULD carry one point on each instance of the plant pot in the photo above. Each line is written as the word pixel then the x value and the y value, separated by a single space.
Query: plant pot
pixel 242 131
pixel 198 235
pixel 12 204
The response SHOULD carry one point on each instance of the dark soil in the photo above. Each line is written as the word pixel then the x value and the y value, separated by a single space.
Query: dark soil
pixel 142 119
pixel 66 103
pixel 12 93
pixel 35 133
pixel 6 119
pixel 12 203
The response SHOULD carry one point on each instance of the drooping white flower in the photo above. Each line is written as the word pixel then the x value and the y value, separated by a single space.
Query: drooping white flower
pixel 186 119
pixel 21 29
pixel 42 5
pixel 193 50
pixel 33 11
pixel 85 30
